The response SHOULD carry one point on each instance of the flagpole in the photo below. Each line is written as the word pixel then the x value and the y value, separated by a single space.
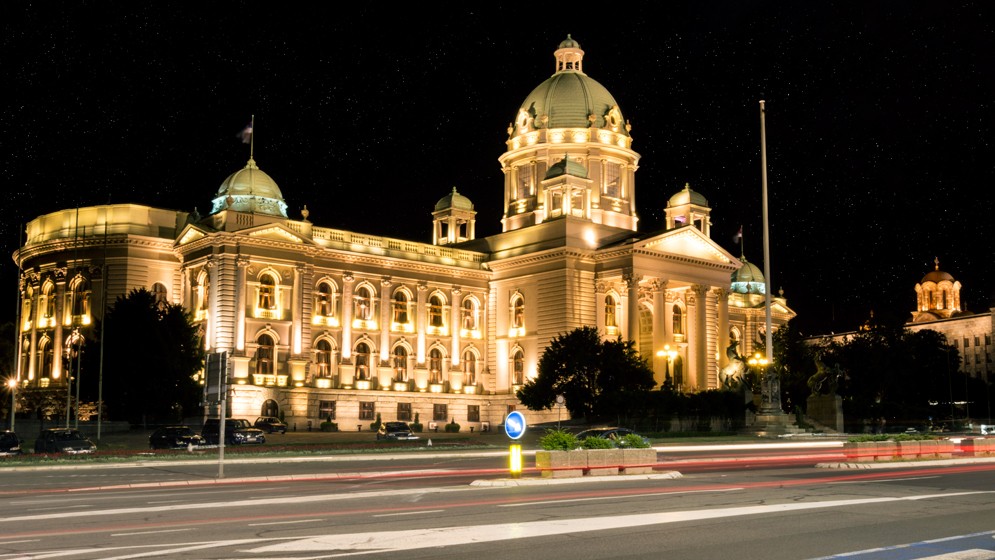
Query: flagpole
pixel 252 136
pixel 771 388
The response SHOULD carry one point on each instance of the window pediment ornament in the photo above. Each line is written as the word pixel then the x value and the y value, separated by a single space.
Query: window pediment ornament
pixel 613 118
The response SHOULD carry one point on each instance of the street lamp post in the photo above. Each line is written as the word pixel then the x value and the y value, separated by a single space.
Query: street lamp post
pixel 12 385
pixel 670 354
pixel 770 387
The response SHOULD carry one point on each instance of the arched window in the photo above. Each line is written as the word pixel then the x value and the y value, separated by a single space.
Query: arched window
pixel 203 294
pixel 401 307
pixel 158 292
pixel 323 300
pixel 362 361
pixel 678 319
pixel 25 357
pixel 47 304
pixel 435 366
pixel 470 367
pixel 28 305
pixel 46 353
pixel 678 371
pixel 518 368
pixel 645 341
pixel 363 303
pixel 323 358
pixel 436 316
pixel 470 314
pixel 400 363
pixel 518 312
pixel 264 354
pixel 610 307
pixel 267 292
pixel 270 408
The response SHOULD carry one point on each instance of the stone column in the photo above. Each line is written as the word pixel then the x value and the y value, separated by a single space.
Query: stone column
pixel 241 289
pixel 698 337
pixel 632 320
pixel 347 283
pixel 385 312
pixel 722 295
pixel 455 371
pixel 659 288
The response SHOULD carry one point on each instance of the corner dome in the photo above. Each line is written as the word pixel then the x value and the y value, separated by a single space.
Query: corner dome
pixel 748 279
pixel 570 98
pixel 454 200
pixel 566 166
pixel 250 190
pixel 687 196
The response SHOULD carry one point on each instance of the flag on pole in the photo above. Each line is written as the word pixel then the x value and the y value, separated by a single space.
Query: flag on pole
pixel 246 134
pixel 739 235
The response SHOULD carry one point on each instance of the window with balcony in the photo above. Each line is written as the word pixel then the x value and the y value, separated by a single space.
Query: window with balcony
pixel 436 314
pixel 518 312
pixel 678 322
pixel 362 361
pixel 518 368
pixel 323 358
pixel 264 355
pixel 400 363
pixel 610 309
pixel 363 304
pixel 159 292
pixel 324 300
pixel 470 366
pixel 470 314
pixel 267 293
pixel 435 366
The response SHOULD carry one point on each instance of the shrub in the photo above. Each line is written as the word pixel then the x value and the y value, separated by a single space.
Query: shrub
pixel 328 426
pixel 452 426
pixel 375 426
pixel 559 440
pixel 597 443
pixel 632 441
pixel 416 426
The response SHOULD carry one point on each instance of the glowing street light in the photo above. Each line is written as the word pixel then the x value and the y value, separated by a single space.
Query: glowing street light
pixel 670 354
pixel 12 385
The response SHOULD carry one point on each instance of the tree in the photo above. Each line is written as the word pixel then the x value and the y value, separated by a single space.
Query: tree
pixel 597 378
pixel 152 352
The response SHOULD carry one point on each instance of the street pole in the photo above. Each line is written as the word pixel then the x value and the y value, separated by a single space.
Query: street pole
pixel 12 383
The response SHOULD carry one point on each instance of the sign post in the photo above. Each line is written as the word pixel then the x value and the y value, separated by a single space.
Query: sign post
pixel 514 426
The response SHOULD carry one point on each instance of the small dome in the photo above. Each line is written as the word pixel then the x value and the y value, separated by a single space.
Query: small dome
pixel 687 196
pixel 250 190
pixel 748 279
pixel 936 275
pixel 569 43
pixel 454 200
pixel 566 166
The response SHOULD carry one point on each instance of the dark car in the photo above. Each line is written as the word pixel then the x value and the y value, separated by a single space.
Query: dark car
pixel 175 437
pixel 10 444
pixel 395 431
pixel 237 432
pixel 615 435
pixel 63 440
pixel 270 424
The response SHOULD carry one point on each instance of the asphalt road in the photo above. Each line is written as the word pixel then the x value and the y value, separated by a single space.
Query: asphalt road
pixel 772 503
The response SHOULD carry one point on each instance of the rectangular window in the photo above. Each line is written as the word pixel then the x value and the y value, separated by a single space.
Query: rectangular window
pixel 956 343
pixel 967 343
pixel 511 408
pixel 977 341
pixel 326 410
pixel 367 410
pixel 404 411
pixel 988 340
pixel 440 412
pixel 473 413
pixel 977 358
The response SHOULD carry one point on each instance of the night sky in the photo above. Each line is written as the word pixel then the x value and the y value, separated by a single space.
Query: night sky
pixel 879 121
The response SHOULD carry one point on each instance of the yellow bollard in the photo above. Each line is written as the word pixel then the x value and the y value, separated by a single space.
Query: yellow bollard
pixel 515 455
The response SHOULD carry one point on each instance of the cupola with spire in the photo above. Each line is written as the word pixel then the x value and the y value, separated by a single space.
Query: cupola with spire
pixel 937 296
pixel 454 219
pixel 689 208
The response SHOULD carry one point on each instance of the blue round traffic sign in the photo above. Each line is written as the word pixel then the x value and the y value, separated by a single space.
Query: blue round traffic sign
pixel 514 425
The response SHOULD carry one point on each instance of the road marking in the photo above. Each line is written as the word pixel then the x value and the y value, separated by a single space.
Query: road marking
pixel 614 497
pixel 59 507
pixel 409 513
pixel 883 480
pixel 149 532
pixel 285 522
pixel 18 542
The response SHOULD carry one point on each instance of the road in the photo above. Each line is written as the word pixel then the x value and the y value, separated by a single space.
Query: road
pixel 743 503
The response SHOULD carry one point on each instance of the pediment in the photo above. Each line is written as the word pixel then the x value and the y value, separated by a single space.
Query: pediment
pixel 275 232
pixel 688 243
pixel 190 234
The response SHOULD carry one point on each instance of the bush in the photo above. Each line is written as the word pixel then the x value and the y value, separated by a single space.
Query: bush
pixel 558 440
pixel 329 426
pixel 452 426
pixel 375 426
pixel 632 441
pixel 597 443
pixel 416 426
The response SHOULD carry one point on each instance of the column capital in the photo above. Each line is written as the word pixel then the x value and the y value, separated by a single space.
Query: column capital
pixel 348 277
pixel 386 281
pixel 242 261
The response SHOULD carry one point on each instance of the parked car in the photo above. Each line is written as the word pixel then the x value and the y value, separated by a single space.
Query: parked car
pixel 395 431
pixel 10 444
pixel 175 437
pixel 237 432
pixel 63 440
pixel 613 434
pixel 270 424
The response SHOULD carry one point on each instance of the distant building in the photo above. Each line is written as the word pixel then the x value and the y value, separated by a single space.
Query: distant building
pixel 323 323
pixel 938 308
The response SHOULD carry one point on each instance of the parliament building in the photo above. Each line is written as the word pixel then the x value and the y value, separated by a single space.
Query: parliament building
pixel 321 323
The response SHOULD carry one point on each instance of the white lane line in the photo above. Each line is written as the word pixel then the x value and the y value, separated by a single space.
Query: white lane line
pixel 409 513
pixel 285 522
pixel 18 542
pixel 164 502
pixel 58 507
pixel 615 497
pixel 317 498
pixel 398 541
pixel 149 532
pixel 883 480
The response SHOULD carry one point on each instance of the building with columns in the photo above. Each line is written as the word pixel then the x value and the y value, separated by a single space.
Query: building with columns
pixel 321 323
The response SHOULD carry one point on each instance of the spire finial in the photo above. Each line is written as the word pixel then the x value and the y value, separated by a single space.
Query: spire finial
pixel 936 262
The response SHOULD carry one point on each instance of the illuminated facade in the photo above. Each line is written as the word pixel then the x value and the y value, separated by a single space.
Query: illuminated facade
pixel 320 323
